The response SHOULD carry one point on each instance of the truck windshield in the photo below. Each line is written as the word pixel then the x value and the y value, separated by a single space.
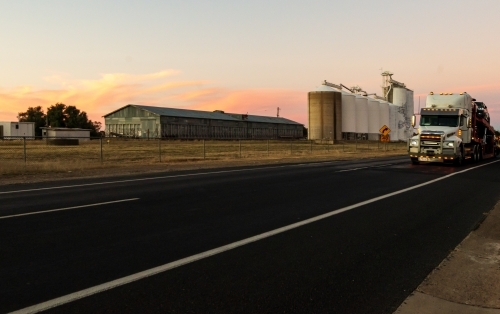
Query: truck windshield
pixel 439 120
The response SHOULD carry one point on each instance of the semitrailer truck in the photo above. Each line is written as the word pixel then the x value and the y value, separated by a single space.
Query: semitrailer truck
pixel 452 128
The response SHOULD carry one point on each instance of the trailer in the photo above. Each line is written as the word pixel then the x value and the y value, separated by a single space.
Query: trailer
pixel 453 128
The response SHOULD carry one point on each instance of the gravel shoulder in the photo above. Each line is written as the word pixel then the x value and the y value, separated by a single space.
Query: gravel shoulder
pixel 468 280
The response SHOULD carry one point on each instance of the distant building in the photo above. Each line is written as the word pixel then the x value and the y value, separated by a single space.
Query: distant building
pixel 67 133
pixel 22 129
pixel 153 122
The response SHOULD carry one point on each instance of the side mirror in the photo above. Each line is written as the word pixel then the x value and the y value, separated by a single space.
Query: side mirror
pixel 413 120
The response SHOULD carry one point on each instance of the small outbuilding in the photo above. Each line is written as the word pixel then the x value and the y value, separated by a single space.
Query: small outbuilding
pixel 17 129
pixel 66 133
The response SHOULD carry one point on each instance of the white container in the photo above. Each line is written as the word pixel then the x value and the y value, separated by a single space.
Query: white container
pixel 361 114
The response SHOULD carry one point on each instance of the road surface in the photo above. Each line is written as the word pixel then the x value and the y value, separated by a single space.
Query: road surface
pixel 338 237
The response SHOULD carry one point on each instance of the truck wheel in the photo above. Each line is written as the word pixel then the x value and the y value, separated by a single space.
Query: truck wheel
pixel 415 161
pixel 460 159
pixel 475 154
pixel 480 152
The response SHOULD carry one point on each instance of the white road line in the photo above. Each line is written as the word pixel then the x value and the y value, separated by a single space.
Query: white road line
pixel 66 208
pixel 153 271
pixel 352 169
pixel 142 179
pixel 346 170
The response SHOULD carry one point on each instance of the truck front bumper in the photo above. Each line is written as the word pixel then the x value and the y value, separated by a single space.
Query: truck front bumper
pixel 432 158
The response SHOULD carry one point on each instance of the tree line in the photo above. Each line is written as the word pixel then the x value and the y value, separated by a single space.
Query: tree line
pixel 59 116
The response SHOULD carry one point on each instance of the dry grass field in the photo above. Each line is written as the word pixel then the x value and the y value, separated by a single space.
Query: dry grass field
pixel 35 156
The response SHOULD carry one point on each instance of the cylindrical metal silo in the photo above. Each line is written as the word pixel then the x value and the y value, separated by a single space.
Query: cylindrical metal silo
pixel 348 113
pixel 410 109
pixel 393 122
pixel 322 103
pixel 399 99
pixel 361 114
pixel 373 119
pixel 384 113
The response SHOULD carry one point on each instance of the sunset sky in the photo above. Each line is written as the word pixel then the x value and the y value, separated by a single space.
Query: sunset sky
pixel 240 56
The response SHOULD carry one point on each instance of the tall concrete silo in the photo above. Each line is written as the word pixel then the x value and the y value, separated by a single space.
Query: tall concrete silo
pixel 325 113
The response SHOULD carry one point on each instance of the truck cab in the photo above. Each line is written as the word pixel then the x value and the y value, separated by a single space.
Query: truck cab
pixel 452 128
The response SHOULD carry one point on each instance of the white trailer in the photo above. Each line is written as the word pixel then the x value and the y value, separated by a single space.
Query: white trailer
pixel 17 129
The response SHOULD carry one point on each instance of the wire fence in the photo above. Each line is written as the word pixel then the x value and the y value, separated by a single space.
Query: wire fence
pixel 53 153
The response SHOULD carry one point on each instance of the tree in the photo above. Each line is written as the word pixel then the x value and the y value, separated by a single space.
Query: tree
pixel 55 116
pixel 60 116
pixel 34 114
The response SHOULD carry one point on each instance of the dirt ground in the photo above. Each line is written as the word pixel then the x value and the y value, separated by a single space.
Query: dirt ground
pixel 138 168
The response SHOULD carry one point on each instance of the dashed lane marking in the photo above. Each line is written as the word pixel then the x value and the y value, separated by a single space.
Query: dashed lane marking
pixel 67 208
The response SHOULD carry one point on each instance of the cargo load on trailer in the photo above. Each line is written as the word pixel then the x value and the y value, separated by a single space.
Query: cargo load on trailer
pixel 453 128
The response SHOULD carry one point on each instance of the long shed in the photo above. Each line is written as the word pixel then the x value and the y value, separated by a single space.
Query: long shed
pixel 153 122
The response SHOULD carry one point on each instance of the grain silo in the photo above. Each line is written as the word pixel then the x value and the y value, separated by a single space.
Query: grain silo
pixel 393 122
pixel 399 99
pixel 373 119
pixel 325 112
pixel 384 113
pixel 397 93
pixel 410 109
pixel 361 114
pixel 348 113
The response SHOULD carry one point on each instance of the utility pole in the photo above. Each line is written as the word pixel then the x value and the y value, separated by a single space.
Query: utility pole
pixel 278 113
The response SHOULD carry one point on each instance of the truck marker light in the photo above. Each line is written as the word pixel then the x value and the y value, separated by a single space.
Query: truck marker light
pixel 431 93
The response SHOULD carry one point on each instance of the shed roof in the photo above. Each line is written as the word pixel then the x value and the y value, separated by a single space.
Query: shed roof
pixel 184 113
pixel 65 129
pixel 216 115
pixel 264 119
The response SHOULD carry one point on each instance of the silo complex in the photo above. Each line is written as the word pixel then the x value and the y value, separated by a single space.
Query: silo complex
pixel 335 113
pixel 325 114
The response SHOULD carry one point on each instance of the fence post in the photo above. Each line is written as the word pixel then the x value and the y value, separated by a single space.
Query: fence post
pixel 311 147
pixel 24 147
pixel 291 151
pixel 240 146
pixel 356 146
pixel 267 148
pixel 203 149
pixel 159 148
pixel 100 155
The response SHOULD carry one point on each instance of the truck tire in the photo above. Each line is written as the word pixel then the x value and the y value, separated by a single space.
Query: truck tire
pixel 415 161
pixel 459 161
pixel 475 154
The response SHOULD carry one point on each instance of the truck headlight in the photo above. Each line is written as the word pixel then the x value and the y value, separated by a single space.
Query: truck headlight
pixel 413 142
pixel 448 144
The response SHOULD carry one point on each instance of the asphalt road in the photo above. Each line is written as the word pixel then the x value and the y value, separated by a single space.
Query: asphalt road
pixel 366 259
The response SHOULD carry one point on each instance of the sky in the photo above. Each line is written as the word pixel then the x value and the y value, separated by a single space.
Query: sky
pixel 240 56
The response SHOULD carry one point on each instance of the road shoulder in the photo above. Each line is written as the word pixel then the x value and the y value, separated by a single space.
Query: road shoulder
pixel 468 280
